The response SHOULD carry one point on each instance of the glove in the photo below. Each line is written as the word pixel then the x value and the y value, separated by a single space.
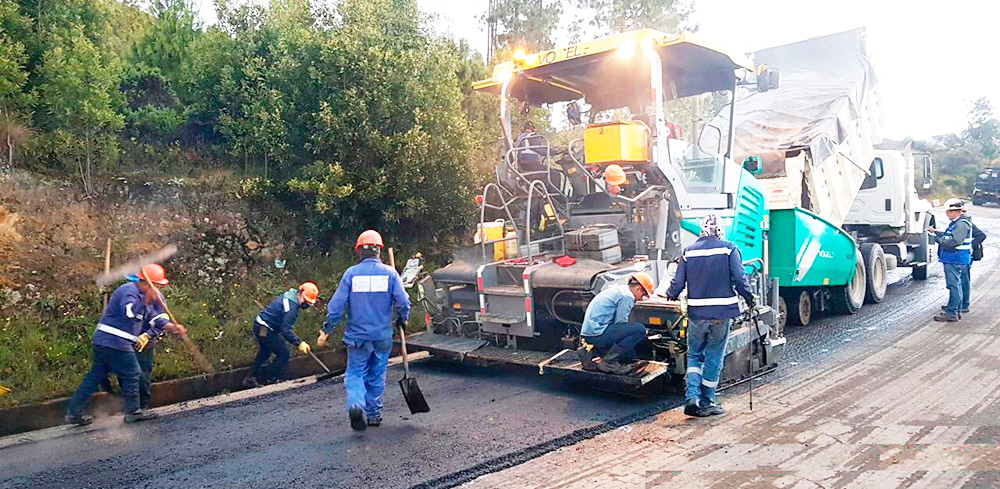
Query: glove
pixel 321 341
pixel 304 348
pixel 142 341
pixel 751 304
pixel 671 298
pixel 401 323
pixel 177 328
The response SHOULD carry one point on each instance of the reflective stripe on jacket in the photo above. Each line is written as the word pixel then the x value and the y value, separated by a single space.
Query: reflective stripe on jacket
pixel 956 242
pixel 129 315
pixel 280 315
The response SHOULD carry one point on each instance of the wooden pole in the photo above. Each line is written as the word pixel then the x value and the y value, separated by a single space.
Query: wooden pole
pixel 107 268
pixel 392 258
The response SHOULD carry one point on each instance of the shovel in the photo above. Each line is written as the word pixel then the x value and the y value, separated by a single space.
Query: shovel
pixel 411 391
pixel 328 373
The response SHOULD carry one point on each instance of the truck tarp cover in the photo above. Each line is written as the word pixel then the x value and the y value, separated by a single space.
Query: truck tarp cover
pixel 823 85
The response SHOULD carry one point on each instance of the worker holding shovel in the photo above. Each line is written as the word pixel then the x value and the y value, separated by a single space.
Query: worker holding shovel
pixel 133 317
pixel 275 322
pixel 368 293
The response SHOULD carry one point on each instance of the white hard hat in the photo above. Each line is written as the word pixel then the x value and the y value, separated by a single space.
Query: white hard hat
pixel 954 204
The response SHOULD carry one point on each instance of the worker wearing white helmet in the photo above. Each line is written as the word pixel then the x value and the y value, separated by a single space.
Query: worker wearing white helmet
pixel 955 254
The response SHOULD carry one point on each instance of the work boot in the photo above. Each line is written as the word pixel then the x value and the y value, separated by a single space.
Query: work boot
pixel 250 382
pixel 945 317
pixel 712 410
pixel 691 407
pixel 81 420
pixel 374 421
pixel 140 415
pixel 609 362
pixel 586 358
pixel 357 419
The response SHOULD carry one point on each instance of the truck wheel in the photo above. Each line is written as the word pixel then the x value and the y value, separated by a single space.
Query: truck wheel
pixel 800 310
pixel 848 299
pixel 875 270
pixel 920 272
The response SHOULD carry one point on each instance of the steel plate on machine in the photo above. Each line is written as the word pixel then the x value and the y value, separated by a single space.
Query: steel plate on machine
pixel 439 343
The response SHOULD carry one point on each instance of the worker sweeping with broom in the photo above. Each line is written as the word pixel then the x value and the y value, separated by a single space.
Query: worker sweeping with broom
pixel 133 317
pixel 368 293
pixel 275 325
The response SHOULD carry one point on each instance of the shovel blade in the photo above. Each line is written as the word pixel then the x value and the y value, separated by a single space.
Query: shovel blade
pixel 414 398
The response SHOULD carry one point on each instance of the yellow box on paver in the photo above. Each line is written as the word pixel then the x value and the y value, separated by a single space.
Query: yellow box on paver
pixel 616 142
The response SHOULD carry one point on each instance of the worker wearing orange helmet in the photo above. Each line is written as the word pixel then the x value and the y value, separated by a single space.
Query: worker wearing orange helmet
pixel 273 327
pixel 712 270
pixel 614 176
pixel 368 294
pixel 606 326
pixel 131 321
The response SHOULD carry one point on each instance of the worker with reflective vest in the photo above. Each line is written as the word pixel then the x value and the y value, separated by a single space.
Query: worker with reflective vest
pixel 955 253
pixel 712 270
pixel 368 294
pixel 275 325
pixel 606 326
pixel 133 317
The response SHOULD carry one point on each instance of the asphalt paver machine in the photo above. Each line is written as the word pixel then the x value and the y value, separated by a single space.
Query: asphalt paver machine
pixel 553 233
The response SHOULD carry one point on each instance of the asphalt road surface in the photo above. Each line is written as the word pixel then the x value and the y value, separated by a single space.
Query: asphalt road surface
pixel 481 420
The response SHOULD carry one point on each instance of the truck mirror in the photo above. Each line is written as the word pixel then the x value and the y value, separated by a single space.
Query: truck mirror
pixel 928 168
pixel 768 78
pixel 753 164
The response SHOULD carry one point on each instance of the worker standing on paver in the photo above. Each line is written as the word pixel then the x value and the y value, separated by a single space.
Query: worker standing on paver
pixel 368 293
pixel 712 270
pixel 606 326
pixel 275 325
pixel 133 317
pixel 955 253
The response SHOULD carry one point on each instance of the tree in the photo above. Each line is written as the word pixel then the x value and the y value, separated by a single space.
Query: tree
pixel 614 16
pixel 165 45
pixel 523 24
pixel 984 129
pixel 76 98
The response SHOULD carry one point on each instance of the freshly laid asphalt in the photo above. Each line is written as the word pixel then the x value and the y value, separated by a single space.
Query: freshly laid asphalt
pixel 481 421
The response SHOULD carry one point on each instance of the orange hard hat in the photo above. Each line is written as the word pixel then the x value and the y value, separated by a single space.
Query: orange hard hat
pixel 367 238
pixel 614 175
pixel 154 273
pixel 645 280
pixel 309 291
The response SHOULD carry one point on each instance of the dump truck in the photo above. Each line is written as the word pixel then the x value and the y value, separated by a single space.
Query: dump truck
pixel 552 233
pixel 849 210
pixel 987 187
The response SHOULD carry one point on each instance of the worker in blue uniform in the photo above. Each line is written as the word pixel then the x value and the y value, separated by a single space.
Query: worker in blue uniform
pixel 712 270
pixel 368 293
pixel 955 254
pixel 606 326
pixel 133 317
pixel 273 327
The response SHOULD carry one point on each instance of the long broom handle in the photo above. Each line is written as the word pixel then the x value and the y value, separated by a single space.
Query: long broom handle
pixel 198 356
pixel 402 334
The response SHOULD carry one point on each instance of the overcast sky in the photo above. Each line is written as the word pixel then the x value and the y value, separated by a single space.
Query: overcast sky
pixel 932 58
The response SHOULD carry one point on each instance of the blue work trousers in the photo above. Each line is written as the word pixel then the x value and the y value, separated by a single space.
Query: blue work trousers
pixel 106 361
pixel 956 277
pixel 146 358
pixel 706 339
pixel 270 343
pixel 624 335
pixel 367 362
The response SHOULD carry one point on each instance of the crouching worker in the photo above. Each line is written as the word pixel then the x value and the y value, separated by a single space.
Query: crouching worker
pixel 606 326
pixel 712 270
pixel 133 317
pixel 368 293
pixel 275 325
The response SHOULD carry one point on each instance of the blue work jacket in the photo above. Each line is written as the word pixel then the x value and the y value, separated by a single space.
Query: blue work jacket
pixel 613 305
pixel 712 270
pixel 368 293
pixel 280 315
pixel 126 317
